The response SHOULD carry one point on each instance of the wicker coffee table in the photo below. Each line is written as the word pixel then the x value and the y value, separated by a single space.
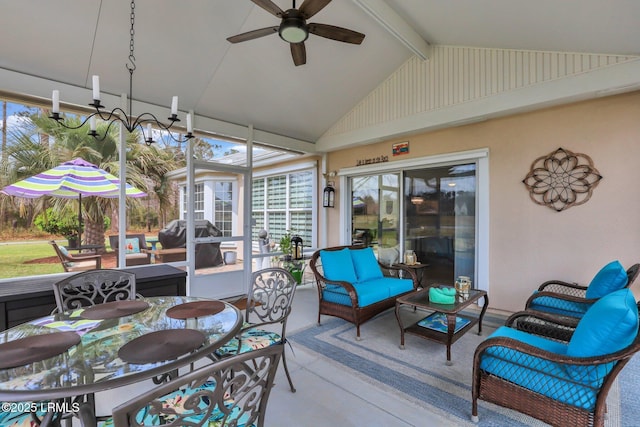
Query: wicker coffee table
pixel 447 335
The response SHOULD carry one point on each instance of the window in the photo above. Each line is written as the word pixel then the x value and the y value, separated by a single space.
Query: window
pixel 223 208
pixel 284 202
pixel 198 197
pixel 213 201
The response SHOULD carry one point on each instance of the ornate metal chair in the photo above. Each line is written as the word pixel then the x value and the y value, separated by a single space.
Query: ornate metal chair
pixel 559 382
pixel 94 287
pixel 81 262
pixel 232 391
pixel 268 303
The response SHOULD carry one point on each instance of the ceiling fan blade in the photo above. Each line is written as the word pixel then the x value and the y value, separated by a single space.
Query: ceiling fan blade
pixel 298 53
pixel 270 7
pixel 250 35
pixel 336 33
pixel 311 7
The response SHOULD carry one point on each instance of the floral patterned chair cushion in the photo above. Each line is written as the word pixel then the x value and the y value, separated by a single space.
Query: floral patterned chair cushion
pixel 251 339
pixel 176 400
pixel 19 419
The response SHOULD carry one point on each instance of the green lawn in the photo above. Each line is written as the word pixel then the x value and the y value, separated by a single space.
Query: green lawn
pixel 13 256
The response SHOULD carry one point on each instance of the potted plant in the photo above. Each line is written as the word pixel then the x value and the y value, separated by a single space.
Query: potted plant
pixel 295 267
pixel 72 240
pixel 285 245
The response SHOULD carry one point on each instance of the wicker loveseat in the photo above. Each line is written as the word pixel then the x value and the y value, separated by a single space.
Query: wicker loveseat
pixel 354 286
pixel 560 383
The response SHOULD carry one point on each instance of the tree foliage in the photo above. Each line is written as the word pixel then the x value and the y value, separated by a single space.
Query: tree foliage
pixel 42 144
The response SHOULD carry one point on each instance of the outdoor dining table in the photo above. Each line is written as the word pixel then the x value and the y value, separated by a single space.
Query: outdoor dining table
pixel 110 345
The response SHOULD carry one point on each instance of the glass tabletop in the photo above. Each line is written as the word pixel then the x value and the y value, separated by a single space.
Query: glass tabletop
pixel 94 363
pixel 421 299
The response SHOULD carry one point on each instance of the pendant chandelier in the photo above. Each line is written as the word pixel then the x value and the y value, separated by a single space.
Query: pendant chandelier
pixel 118 115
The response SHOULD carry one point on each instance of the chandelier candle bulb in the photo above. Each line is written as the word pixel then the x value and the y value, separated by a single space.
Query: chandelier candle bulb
pixel 149 130
pixel 55 100
pixel 92 123
pixel 96 88
pixel 189 124
pixel 174 106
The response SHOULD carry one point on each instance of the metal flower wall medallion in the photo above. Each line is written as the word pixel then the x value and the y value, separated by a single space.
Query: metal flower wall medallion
pixel 562 179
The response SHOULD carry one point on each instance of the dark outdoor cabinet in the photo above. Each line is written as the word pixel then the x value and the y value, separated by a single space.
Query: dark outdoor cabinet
pixel 23 300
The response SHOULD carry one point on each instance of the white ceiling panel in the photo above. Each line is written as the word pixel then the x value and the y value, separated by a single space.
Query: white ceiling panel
pixel 181 49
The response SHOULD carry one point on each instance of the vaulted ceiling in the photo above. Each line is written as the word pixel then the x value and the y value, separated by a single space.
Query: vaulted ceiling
pixel 181 49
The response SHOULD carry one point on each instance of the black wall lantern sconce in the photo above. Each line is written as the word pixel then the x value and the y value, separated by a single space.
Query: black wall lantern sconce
pixel 329 196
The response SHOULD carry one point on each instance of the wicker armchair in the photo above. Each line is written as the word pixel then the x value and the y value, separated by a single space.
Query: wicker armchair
pixel 559 382
pixel 351 309
pixel 572 300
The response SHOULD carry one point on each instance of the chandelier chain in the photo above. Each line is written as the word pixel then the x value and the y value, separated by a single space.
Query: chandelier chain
pixel 132 33
pixel 118 114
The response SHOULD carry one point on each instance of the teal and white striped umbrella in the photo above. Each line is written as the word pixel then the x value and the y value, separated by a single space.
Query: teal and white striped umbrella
pixel 72 180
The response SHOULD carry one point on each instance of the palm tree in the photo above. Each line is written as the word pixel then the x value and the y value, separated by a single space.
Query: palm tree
pixel 146 166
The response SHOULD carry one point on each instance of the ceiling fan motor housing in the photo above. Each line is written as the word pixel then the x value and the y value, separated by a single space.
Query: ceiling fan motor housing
pixel 293 28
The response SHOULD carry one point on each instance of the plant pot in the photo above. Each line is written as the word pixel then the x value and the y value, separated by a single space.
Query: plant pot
pixel 230 257
pixel 297 275
pixel 72 242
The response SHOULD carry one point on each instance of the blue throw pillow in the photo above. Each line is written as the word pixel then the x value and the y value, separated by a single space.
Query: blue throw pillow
pixel 365 264
pixel 338 266
pixel 610 278
pixel 63 250
pixel 610 325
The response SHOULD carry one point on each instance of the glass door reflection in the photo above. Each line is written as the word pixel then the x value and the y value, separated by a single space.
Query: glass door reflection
pixel 440 220
pixel 375 213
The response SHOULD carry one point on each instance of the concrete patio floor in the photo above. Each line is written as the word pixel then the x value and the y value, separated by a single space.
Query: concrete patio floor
pixel 327 396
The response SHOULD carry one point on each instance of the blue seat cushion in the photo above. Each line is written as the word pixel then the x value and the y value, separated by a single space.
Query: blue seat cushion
pixel 610 278
pixel 548 379
pixel 533 340
pixel 365 264
pixel 559 306
pixel 395 285
pixel 610 325
pixel 251 339
pixel 539 375
pixel 338 265
pixel 367 294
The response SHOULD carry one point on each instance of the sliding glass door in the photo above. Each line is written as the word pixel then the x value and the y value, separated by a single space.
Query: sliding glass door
pixel 435 217
pixel 375 212
pixel 440 223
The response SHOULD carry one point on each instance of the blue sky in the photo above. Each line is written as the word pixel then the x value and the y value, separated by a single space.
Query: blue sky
pixel 13 108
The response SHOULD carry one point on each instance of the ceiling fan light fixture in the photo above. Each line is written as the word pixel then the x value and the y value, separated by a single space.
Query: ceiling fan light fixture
pixel 293 31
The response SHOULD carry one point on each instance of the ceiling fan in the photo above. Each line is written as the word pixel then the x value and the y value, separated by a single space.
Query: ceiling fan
pixel 294 28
